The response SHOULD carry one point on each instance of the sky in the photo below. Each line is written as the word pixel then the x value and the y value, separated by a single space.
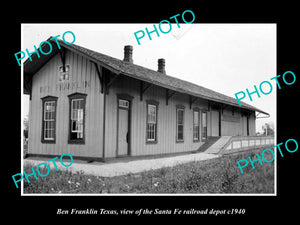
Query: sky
pixel 226 58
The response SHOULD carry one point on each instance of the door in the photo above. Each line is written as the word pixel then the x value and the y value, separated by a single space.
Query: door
pixel 215 123
pixel 248 126
pixel 245 126
pixel 123 128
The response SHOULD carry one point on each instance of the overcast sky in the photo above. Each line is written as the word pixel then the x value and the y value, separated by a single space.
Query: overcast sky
pixel 227 58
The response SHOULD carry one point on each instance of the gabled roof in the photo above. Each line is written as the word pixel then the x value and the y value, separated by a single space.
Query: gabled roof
pixel 134 71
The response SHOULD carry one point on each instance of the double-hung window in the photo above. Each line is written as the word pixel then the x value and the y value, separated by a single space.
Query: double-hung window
pixel 179 123
pixel 49 119
pixel 77 118
pixel 151 131
pixel 196 125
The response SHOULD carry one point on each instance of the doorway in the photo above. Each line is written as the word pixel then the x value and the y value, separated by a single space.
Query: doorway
pixel 123 127
pixel 215 123
pixel 245 125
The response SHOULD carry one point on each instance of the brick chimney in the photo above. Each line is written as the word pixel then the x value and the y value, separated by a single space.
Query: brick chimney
pixel 128 53
pixel 161 66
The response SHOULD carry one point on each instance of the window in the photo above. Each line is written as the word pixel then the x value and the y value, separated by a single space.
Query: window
pixel 49 119
pixel 204 125
pixel 123 103
pixel 77 120
pixel 196 125
pixel 64 73
pixel 179 123
pixel 151 130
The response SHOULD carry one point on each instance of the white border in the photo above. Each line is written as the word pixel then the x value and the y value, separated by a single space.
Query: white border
pixel 181 194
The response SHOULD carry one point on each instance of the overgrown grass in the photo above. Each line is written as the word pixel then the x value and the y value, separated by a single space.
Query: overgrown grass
pixel 220 175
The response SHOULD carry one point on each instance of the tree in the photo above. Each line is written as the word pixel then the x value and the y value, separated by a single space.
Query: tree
pixel 268 129
pixel 26 126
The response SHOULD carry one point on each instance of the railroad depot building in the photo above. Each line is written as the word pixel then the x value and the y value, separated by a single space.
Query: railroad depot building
pixel 96 107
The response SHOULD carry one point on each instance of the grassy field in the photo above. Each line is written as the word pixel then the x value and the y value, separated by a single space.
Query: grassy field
pixel 220 175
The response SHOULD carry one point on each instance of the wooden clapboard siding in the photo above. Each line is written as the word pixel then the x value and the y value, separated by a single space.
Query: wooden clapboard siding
pixel 81 70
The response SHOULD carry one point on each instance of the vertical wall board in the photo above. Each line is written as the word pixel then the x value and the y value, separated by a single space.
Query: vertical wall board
pixel 166 119
pixel 215 123
pixel 252 125
pixel 209 123
pixel 231 124
pixel 82 79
